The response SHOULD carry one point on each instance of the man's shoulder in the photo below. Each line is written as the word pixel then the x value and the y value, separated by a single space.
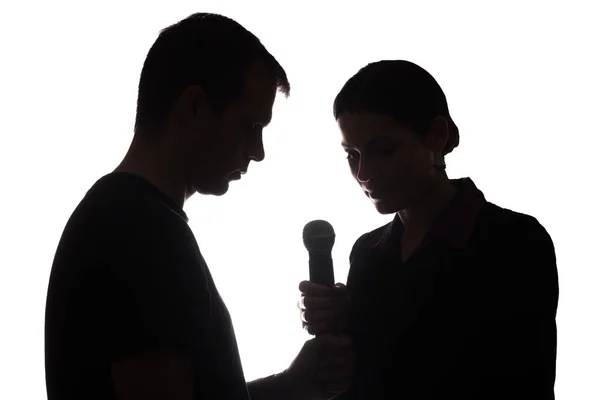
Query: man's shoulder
pixel 125 201
pixel 120 218
pixel 125 230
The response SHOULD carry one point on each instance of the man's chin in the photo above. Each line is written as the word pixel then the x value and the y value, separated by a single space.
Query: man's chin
pixel 214 190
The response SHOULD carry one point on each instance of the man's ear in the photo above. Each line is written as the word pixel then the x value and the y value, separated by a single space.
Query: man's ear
pixel 196 96
pixel 438 134
pixel 192 105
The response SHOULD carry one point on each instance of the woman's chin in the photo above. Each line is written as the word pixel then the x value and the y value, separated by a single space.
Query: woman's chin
pixel 384 207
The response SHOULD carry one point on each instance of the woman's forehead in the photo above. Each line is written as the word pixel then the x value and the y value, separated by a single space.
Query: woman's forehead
pixel 359 129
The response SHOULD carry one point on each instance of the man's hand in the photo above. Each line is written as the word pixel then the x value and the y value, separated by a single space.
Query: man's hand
pixel 323 369
pixel 323 309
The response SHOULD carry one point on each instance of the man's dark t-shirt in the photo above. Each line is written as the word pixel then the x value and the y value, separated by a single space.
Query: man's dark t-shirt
pixel 127 277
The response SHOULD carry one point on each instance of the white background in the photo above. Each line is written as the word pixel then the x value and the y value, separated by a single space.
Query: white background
pixel 522 84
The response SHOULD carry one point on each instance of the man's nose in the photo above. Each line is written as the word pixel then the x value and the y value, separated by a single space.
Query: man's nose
pixel 257 152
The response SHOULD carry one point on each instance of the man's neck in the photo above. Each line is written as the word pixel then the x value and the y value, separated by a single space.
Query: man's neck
pixel 417 219
pixel 152 161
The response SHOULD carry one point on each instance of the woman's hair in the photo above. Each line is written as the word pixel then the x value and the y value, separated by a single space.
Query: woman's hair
pixel 399 89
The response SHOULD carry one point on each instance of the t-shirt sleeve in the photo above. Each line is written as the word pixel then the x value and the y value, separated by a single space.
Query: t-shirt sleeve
pixel 161 299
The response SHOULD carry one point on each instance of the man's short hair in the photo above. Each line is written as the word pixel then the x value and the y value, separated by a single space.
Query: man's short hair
pixel 399 89
pixel 209 50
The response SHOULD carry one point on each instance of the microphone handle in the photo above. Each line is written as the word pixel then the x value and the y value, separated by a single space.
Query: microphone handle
pixel 320 265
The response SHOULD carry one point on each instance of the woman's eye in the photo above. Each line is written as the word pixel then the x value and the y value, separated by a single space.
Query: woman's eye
pixel 351 156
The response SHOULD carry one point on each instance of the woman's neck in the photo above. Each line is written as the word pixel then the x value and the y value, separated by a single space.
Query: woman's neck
pixel 417 219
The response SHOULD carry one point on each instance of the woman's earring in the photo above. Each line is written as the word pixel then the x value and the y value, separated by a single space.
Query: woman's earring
pixel 440 162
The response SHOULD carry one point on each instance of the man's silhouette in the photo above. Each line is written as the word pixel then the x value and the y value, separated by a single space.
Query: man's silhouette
pixel 132 310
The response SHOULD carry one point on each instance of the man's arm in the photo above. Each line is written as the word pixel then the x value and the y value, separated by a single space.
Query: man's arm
pixel 153 375
pixel 321 370
pixel 161 305
pixel 274 387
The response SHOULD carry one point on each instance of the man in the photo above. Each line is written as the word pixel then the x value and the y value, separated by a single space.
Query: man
pixel 132 311
pixel 456 297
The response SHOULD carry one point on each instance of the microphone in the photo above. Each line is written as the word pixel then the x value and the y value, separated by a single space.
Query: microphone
pixel 319 237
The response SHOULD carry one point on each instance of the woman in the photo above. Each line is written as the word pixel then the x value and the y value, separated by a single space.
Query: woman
pixel 456 297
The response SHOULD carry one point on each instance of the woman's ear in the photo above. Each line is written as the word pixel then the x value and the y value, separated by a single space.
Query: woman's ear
pixel 436 138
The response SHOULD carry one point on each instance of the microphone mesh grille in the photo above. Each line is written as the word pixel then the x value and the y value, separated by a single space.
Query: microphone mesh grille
pixel 318 235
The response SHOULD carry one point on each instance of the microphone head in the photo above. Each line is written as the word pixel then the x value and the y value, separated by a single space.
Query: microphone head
pixel 318 235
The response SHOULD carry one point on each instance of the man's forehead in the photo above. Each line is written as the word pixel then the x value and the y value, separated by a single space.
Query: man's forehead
pixel 259 78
